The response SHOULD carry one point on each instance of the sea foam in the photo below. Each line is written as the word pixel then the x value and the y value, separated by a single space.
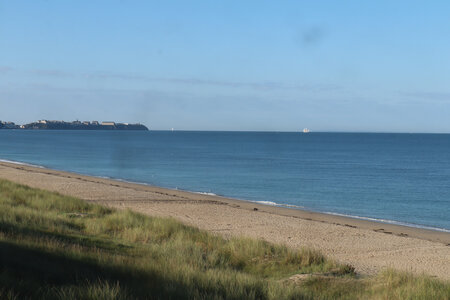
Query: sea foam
pixel 21 163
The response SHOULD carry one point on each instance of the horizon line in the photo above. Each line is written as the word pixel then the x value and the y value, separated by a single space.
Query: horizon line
pixel 299 131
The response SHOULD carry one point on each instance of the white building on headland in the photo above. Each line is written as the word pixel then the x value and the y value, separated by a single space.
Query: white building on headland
pixel 108 124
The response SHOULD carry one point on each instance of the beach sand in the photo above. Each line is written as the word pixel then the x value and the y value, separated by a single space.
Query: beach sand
pixel 366 245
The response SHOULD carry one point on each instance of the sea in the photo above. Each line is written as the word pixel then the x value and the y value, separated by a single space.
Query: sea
pixel 385 177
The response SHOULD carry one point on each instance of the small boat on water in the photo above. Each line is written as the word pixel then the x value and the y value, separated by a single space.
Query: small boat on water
pixel 305 130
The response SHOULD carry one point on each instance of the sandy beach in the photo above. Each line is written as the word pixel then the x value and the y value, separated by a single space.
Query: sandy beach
pixel 366 245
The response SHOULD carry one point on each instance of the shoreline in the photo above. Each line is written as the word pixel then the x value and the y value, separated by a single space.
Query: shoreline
pixel 272 204
pixel 398 227
pixel 370 246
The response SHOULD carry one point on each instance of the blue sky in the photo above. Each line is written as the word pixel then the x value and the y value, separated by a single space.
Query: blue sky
pixel 229 65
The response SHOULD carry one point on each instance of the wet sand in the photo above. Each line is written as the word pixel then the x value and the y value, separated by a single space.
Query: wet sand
pixel 367 245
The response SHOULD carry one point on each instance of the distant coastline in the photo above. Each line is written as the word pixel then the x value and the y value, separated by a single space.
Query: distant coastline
pixel 74 125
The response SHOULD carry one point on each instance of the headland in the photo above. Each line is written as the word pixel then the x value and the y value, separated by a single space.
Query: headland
pixel 74 125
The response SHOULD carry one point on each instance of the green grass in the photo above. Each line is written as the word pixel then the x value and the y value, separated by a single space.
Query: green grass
pixel 59 247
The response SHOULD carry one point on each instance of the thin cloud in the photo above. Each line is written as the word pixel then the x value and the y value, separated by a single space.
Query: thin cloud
pixel 260 86
pixel 435 96
pixel 5 69
pixel 108 75
pixel 55 73
pixel 266 85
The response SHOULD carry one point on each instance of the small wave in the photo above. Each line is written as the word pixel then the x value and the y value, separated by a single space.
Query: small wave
pixel 390 222
pixel 205 193
pixel 21 163
pixel 266 203
pixel 128 181
pixel 293 206
pixel 278 204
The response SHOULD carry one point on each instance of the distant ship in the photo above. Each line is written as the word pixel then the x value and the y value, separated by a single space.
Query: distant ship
pixel 305 130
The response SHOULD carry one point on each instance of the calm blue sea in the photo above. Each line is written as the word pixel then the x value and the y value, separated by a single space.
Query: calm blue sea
pixel 401 178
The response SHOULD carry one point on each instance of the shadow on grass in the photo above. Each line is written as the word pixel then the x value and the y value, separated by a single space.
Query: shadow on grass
pixel 30 272
pixel 78 239
pixel 37 268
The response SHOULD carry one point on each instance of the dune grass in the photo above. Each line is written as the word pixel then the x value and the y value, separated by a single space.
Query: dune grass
pixel 59 247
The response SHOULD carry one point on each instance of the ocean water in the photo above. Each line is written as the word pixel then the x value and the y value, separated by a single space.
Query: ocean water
pixel 398 178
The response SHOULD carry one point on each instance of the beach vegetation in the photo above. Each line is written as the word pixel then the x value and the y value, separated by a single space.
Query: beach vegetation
pixel 59 247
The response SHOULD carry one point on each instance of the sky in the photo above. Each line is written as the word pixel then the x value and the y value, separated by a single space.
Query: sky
pixel 370 66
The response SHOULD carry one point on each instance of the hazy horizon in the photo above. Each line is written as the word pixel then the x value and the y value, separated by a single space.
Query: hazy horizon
pixel 300 130
pixel 231 66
